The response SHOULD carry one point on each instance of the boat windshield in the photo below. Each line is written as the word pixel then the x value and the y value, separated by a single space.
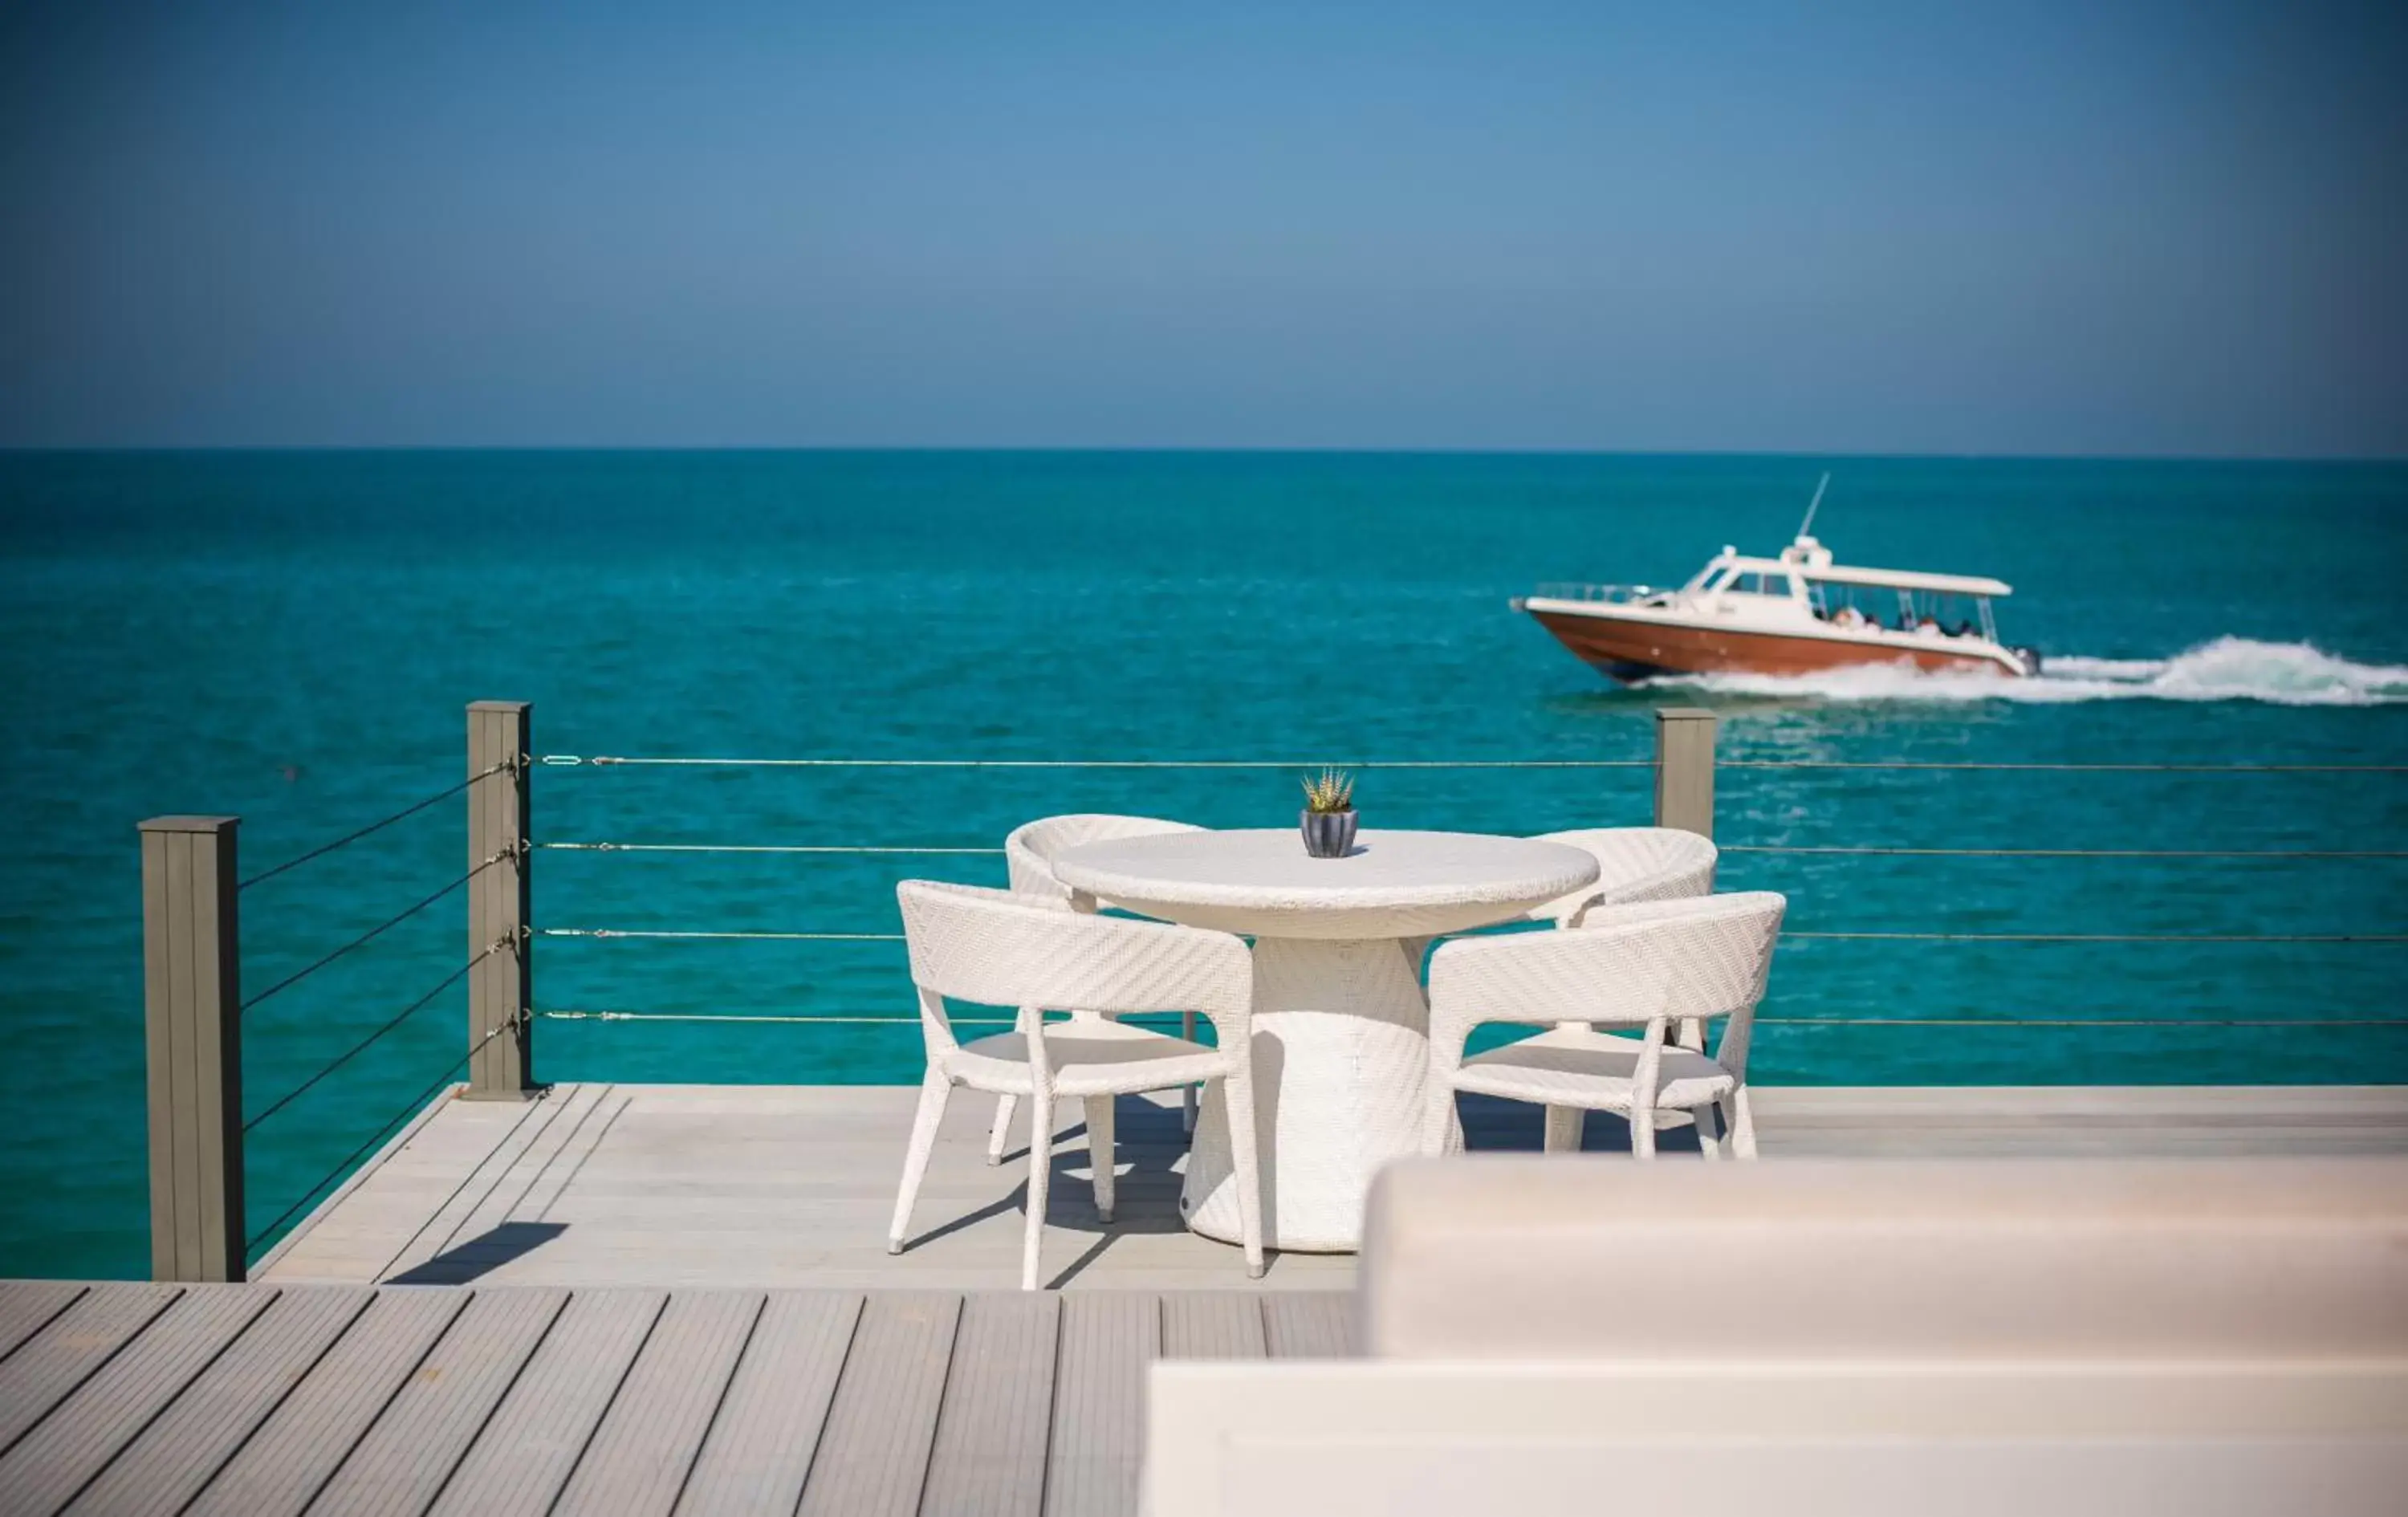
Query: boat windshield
pixel 1893 609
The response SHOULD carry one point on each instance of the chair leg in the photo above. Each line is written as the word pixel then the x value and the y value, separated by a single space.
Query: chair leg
pixel 1187 1095
pixel 1742 1126
pixel 1238 1098
pixel 1643 1132
pixel 1099 1152
pixel 1564 1129
pixel 933 1091
pixel 1710 1138
pixel 1041 1175
pixel 1000 1134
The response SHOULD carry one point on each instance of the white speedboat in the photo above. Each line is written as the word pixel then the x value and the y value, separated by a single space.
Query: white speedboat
pixel 1800 613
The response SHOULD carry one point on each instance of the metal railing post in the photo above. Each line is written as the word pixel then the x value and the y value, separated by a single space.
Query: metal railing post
pixel 501 985
pixel 191 999
pixel 1685 769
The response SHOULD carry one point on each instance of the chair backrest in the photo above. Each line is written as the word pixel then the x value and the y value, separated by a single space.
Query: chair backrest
pixel 1634 864
pixel 999 948
pixel 1028 850
pixel 1707 957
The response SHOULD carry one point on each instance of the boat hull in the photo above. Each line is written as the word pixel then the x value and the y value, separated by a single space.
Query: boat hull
pixel 1630 648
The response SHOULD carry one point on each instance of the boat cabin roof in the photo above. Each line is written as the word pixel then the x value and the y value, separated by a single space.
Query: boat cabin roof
pixel 1810 560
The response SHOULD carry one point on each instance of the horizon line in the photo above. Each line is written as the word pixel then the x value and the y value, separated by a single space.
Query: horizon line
pixel 1241 449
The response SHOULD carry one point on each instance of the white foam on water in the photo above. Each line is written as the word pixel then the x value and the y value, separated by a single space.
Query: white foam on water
pixel 2226 670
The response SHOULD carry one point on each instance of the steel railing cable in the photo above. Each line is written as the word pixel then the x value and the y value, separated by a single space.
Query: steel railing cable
pixel 754 848
pixel 2009 767
pixel 378 930
pixel 2072 852
pixel 364 1044
pixel 350 837
pixel 773 937
pixel 567 1014
pixel 604 761
pixel 1800 935
pixel 2097 937
pixel 1727 848
pixel 415 1104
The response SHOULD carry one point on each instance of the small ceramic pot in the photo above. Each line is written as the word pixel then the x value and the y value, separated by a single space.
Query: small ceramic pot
pixel 1328 835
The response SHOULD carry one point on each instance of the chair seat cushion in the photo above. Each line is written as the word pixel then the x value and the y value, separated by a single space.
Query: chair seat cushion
pixel 1583 1067
pixel 1091 1056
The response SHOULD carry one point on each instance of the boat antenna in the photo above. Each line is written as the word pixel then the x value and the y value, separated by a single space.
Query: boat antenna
pixel 1814 504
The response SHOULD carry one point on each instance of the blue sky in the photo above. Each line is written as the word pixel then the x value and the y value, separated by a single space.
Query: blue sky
pixel 2038 228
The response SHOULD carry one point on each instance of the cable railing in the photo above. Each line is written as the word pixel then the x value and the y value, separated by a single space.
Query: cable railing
pixel 1999 1022
pixel 198 896
pixel 195 1015
pixel 657 760
pixel 1773 850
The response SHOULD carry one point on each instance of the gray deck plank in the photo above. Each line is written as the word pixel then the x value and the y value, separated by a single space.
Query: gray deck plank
pixel 45 1370
pixel 518 1465
pixel 412 1448
pixel 873 1457
pixel 172 1458
pixel 80 1437
pixel 637 1460
pixel 761 1443
pixel 282 1465
pixel 989 1459
pixel 1310 1325
pixel 770 1187
pixel 27 1306
pixel 1108 1339
pixel 1210 1324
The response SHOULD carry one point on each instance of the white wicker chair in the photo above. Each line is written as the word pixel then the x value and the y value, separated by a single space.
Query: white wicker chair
pixel 1642 966
pixel 1028 852
pixel 996 949
pixel 1634 865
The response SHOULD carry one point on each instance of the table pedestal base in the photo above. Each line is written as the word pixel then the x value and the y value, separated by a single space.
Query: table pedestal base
pixel 1342 1071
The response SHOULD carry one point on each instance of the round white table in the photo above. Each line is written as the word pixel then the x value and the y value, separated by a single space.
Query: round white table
pixel 1341 1030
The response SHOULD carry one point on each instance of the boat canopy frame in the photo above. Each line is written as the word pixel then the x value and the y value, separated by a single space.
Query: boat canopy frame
pixel 1840 574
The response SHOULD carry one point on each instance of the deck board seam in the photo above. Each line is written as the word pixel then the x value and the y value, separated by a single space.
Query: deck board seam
pixel 357 1177
pixel 35 1330
pixel 510 1213
pixel 466 1180
pixel 369 1425
pixel 719 1403
pixel 501 1175
pixel 936 1423
pixel 568 1471
pixel 469 1445
pixel 83 1380
pixel 579 1168
pixel 267 1414
pixel 275 1294
pixel 819 1438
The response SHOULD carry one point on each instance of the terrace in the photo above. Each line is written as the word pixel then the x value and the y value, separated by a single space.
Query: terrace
pixel 622 1297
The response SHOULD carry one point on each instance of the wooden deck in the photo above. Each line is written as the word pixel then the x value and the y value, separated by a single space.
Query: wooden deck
pixel 784 1187
pixel 269 1401
pixel 627 1345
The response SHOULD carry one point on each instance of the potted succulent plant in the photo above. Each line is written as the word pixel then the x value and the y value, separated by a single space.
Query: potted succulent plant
pixel 1328 817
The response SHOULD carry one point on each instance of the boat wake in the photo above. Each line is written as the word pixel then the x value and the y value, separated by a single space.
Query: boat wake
pixel 2226 670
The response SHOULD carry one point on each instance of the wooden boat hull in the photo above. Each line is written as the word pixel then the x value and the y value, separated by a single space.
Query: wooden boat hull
pixel 1629 649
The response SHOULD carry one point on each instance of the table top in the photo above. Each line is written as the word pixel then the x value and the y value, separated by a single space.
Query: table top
pixel 1394 884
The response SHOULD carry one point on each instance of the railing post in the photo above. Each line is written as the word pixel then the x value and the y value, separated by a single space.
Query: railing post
pixel 501 986
pixel 1685 769
pixel 191 1000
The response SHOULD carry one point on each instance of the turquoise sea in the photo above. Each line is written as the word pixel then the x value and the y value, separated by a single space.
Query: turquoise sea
pixel 292 637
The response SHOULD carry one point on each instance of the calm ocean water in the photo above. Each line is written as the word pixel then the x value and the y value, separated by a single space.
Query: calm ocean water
pixel 292 638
